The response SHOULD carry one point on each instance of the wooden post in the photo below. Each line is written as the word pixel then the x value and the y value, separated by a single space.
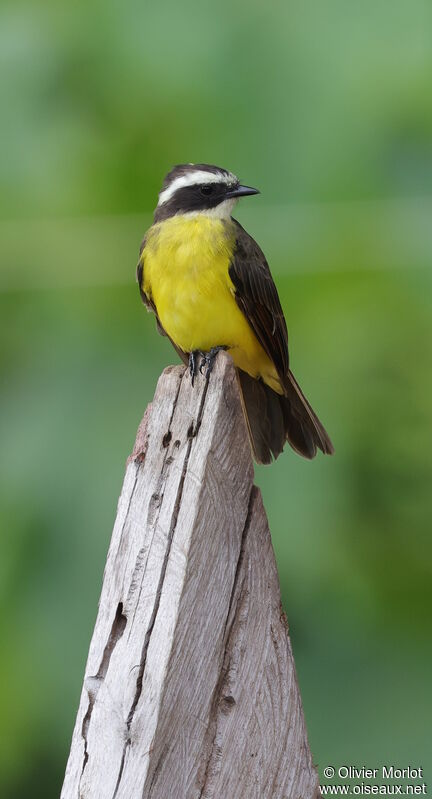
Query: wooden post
pixel 190 689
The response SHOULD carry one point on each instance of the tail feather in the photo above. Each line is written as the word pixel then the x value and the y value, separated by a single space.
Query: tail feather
pixel 273 419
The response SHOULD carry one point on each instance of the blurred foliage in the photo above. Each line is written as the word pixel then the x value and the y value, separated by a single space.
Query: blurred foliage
pixel 327 108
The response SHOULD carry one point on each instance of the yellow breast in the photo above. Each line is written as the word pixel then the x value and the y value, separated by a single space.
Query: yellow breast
pixel 185 272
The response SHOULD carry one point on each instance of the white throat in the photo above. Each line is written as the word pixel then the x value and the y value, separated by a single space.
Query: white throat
pixel 221 211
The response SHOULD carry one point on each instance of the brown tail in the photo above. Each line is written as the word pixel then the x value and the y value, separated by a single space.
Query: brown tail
pixel 273 419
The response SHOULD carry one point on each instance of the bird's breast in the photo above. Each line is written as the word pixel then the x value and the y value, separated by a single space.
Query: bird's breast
pixel 186 262
pixel 186 273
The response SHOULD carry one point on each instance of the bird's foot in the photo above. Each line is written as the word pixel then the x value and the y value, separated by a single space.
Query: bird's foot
pixel 208 361
pixel 193 364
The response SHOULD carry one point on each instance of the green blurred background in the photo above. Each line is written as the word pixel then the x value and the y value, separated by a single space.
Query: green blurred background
pixel 327 107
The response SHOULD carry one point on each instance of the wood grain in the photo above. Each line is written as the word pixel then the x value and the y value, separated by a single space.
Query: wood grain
pixel 190 688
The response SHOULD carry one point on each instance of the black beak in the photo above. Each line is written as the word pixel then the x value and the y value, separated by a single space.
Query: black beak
pixel 241 191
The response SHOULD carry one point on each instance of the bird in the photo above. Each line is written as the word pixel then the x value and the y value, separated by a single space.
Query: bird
pixel 209 285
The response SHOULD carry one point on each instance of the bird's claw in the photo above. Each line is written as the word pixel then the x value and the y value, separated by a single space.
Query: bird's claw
pixel 208 361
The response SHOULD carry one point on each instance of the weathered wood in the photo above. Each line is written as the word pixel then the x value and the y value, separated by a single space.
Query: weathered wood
pixel 190 689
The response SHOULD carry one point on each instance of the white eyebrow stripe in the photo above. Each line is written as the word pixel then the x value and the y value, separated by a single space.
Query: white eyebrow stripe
pixel 194 178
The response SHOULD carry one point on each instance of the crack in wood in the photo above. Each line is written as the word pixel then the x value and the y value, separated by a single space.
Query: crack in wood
pixel 154 505
pixel 93 683
pixel 156 772
pixel 219 703
pixel 252 496
pixel 143 659
pixel 166 439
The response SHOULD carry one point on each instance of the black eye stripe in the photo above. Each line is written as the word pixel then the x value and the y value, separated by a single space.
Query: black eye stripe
pixel 211 189
pixel 192 198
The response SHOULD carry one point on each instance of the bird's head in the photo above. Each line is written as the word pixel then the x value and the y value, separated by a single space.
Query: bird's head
pixel 200 189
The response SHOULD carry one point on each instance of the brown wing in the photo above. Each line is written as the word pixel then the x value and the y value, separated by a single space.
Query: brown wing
pixel 148 302
pixel 257 297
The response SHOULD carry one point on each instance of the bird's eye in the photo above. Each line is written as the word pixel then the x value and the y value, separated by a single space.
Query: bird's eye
pixel 206 190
